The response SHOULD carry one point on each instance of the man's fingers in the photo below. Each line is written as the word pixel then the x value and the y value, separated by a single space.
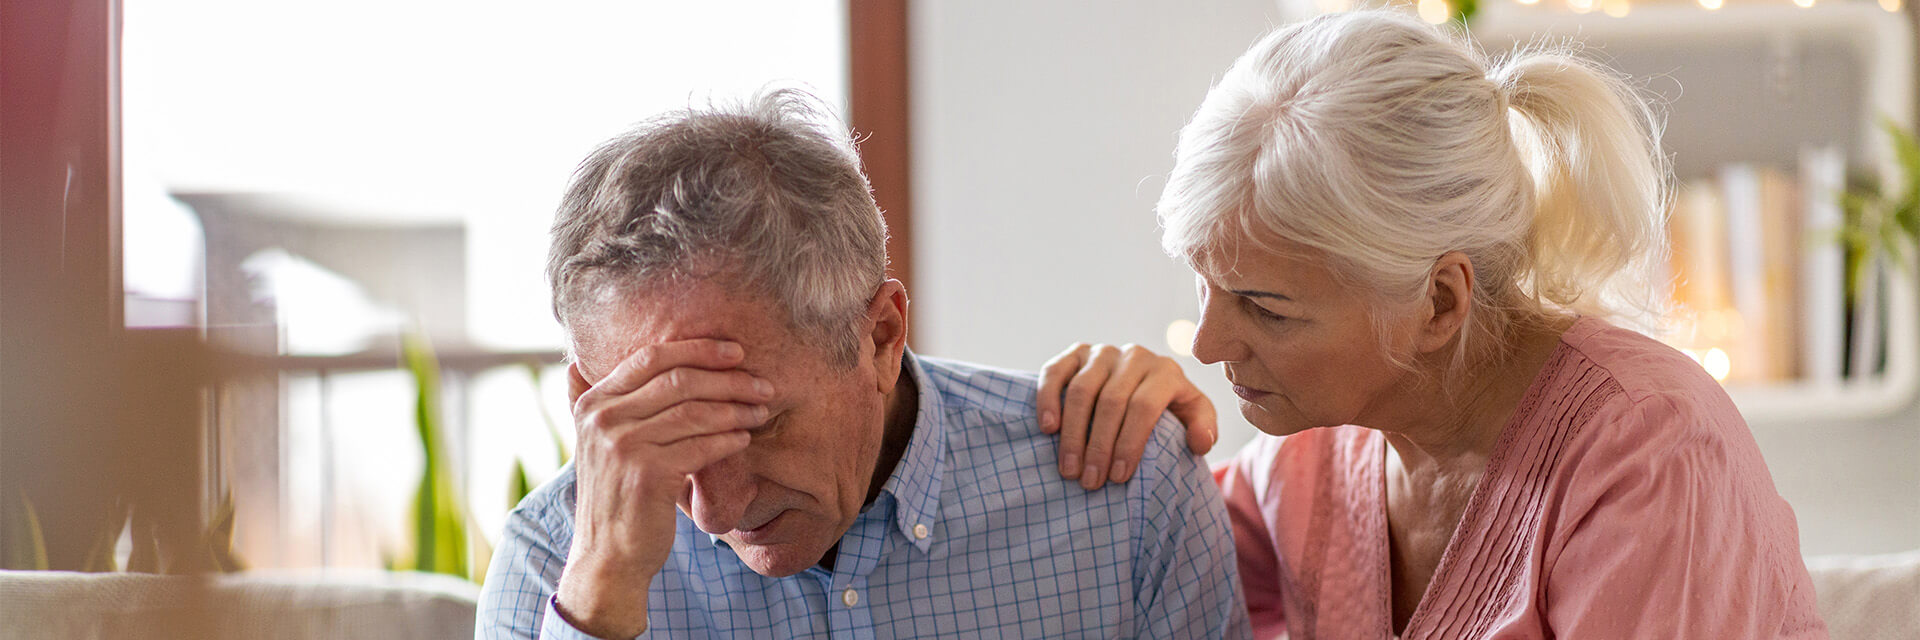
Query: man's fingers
pixel 690 419
pixel 669 389
pixel 689 455
pixel 694 419
pixel 1053 380
pixel 1081 394
pixel 655 359
pixel 576 384
pixel 1116 397
pixel 688 384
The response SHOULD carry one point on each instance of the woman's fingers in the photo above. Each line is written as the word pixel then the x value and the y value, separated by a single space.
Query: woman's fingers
pixel 1143 414
pixel 1195 410
pixel 1053 381
pixel 1117 396
pixel 1082 392
pixel 1105 402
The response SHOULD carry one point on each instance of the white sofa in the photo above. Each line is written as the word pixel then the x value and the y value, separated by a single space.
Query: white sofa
pixel 256 604
pixel 1869 597
pixel 1862 598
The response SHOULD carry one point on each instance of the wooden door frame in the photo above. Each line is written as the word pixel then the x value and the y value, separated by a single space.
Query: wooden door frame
pixel 880 112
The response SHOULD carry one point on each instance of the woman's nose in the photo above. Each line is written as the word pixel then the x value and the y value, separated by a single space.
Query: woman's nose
pixel 1214 340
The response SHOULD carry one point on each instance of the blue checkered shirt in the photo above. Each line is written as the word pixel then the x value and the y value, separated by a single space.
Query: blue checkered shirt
pixel 975 535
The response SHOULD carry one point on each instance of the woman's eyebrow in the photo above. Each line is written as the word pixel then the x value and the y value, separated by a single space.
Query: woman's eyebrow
pixel 1249 293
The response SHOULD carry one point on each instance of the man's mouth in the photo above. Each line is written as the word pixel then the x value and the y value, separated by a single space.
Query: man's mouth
pixel 759 531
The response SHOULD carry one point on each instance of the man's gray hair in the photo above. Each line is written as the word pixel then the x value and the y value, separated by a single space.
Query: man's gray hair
pixel 766 195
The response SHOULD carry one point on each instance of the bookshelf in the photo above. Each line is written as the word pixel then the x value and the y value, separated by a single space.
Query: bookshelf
pixel 1768 106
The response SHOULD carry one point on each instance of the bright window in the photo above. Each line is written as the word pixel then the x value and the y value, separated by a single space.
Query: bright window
pixel 308 180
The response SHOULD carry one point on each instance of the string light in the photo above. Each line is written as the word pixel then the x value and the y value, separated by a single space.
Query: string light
pixel 1180 337
pixel 1717 363
pixel 1438 11
pixel 1434 11
pixel 1714 360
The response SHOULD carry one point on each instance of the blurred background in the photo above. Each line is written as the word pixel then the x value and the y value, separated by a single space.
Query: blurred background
pixel 273 299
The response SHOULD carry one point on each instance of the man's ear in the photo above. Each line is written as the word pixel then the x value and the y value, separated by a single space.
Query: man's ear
pixel 1449 301
pixel 887 317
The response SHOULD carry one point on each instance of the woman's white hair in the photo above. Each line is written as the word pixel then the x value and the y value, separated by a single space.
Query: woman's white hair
pixel 1383 143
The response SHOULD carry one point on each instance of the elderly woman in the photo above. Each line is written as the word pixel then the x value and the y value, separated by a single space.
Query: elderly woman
pixel 1404 255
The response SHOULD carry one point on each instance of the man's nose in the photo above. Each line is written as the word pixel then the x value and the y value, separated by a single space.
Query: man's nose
pixel 721 493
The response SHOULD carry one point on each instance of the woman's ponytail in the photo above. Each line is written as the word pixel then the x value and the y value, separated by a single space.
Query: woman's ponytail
pixel 1600 185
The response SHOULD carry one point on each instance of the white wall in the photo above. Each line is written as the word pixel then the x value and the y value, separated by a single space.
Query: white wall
pixel 1043 133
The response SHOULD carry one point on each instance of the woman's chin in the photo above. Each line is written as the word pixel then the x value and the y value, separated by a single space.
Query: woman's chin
pixel 1269 423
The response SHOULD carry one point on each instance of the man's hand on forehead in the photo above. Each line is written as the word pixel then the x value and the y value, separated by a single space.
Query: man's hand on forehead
pixel 665 411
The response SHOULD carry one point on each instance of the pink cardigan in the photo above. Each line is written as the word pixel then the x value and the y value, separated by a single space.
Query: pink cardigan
pixel 1625 499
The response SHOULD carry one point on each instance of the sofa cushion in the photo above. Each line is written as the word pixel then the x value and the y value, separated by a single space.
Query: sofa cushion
pixel 264 604
pixel 1869 597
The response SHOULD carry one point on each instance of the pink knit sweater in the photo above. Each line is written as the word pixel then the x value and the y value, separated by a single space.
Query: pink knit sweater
pixel 1625 499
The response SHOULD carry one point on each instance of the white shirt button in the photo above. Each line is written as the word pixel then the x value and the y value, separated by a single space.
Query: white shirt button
pixel 919 532
pixel 850 597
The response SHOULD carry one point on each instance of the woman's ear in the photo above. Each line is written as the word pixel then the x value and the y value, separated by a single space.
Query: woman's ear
pixel 887 315
pixel 1449 301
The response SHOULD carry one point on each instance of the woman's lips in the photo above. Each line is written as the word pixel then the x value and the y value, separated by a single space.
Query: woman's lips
pixel 1249 394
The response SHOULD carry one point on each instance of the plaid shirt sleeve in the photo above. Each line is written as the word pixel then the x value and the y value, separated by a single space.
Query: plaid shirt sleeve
pixel 516 603
pixel 1186 573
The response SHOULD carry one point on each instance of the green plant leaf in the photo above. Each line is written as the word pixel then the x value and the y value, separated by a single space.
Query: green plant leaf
pixel 482 554
pixel 100 552
pixel 1906 217
pixel 553 426
pixel 440 528
pixel 218 538
pixel 1462 11
pixel 521 485
pixel 145 557
pixel 1906 151
pixel 26 545
pixel 1873 225
pixel 1854 205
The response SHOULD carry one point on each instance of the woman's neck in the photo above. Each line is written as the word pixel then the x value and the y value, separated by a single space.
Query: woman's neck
pixel 1450 429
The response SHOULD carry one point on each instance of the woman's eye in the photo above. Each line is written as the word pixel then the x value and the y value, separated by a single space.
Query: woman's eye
pixel 1262 311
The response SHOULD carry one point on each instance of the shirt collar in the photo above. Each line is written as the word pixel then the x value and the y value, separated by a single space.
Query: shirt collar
pixel 915 483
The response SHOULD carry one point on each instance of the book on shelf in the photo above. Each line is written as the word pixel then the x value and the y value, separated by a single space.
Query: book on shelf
pixel 1823 295
pixel 1758 287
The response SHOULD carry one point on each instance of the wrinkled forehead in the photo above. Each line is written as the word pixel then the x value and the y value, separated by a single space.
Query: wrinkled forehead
pixel 620 324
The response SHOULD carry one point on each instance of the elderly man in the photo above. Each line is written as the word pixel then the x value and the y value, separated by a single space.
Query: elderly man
pixel 760 456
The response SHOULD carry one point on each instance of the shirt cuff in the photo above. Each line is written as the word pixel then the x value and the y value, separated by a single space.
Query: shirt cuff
pixel 554 626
